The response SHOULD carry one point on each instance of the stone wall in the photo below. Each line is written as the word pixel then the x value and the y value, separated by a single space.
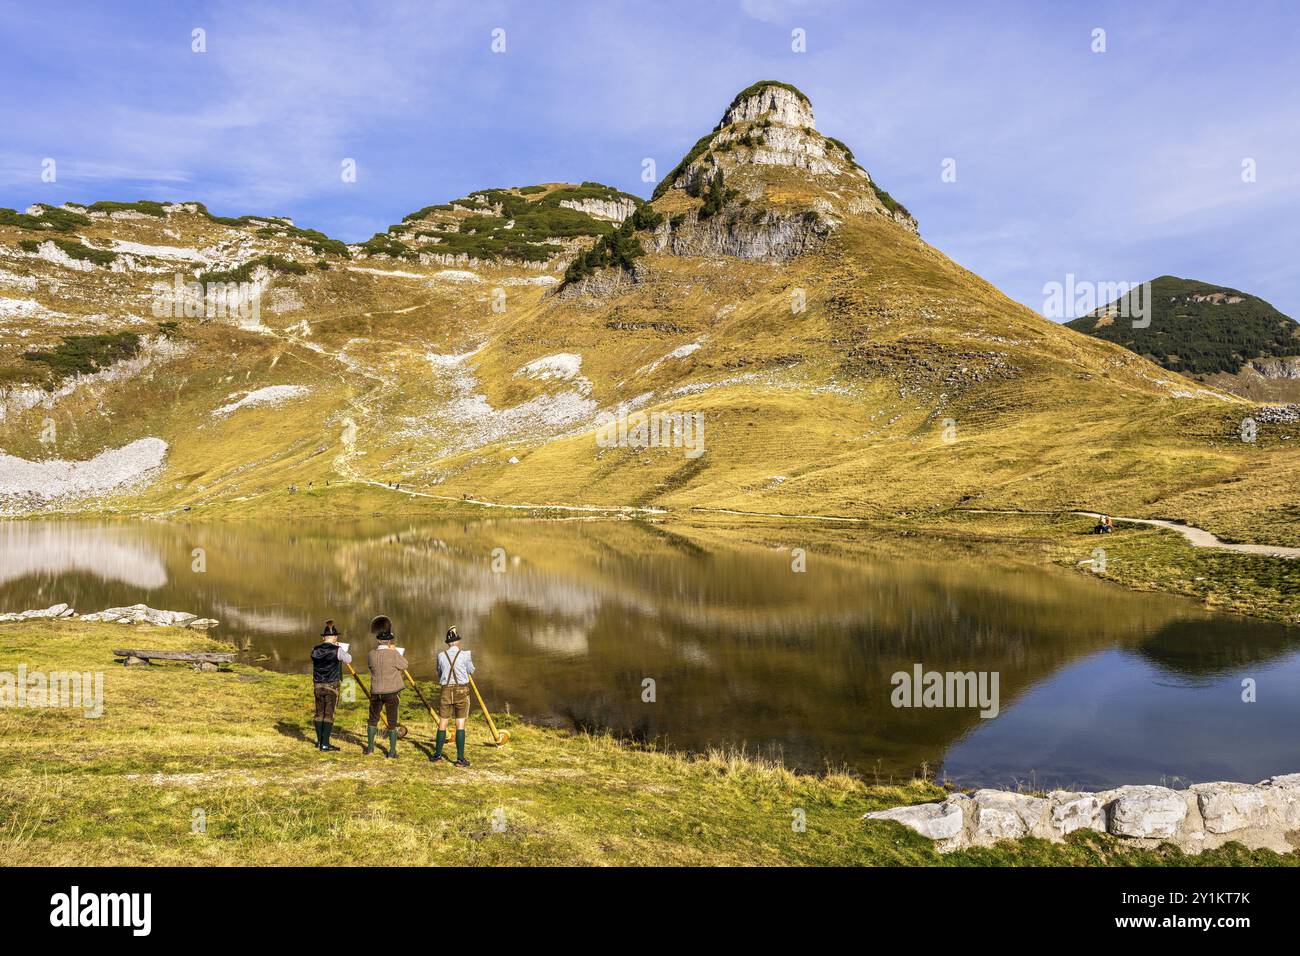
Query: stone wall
pixel 1204 816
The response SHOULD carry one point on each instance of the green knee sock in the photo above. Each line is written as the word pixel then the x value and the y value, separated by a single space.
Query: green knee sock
pixel 438 742
pixel 326 728
pixel 460 745
pixel 316 724
pixel 392 741
pixel 370 736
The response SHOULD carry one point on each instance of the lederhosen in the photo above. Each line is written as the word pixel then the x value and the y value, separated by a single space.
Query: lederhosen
pixel 327 697
pixel 454 701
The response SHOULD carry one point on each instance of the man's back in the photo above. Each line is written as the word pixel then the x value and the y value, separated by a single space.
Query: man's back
pixel 386 666
pixel 454 666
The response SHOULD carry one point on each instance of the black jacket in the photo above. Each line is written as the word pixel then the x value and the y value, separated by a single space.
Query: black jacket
pixel 325 665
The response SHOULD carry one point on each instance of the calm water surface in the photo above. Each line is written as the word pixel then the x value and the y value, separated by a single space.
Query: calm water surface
pixel 1098 686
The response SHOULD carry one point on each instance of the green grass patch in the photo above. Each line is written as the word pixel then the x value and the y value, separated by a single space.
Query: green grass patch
pixel 511 225
pixel 313 239
pixel 695 152
pixel 146 206
pixel 893 205
pixel 838 144
pixel 73 249
pixel 244 271
pixel 617 249
pixel 84 354
pixel 382 244
pixel 56 220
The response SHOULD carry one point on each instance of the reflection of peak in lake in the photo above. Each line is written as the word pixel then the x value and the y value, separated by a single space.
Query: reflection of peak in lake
pixel 56 548
pixel 742 648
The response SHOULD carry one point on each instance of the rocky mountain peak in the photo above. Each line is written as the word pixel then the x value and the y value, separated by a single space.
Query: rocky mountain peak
pixel 777 102
pixel 767 164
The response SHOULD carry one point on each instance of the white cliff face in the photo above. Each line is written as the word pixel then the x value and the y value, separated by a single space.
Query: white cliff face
pixel 770 238
pixel 611 210
pixel 779 105
pixel 775 127
pixel 784 146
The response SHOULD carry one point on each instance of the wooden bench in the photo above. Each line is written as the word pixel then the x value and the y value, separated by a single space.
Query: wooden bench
pixel 201 660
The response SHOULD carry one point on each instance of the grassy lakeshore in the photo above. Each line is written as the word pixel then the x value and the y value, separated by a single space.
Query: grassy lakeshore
pixel 172 745
pixel 1141 558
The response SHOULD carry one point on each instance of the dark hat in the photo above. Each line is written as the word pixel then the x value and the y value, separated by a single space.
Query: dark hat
pixel 329 630
pixel 381 625
pixel 452 637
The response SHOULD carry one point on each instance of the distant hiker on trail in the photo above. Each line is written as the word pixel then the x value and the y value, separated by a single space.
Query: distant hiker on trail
pixel 454 668
pixel 327 660
pixel 386 682
pixel 1104 525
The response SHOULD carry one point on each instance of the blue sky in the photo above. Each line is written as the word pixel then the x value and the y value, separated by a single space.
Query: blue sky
pixel 1112 166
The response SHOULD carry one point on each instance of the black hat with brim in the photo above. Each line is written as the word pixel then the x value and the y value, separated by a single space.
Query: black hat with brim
pixel 452 637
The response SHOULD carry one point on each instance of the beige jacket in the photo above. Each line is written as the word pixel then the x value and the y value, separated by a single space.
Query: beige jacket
pixel 386 666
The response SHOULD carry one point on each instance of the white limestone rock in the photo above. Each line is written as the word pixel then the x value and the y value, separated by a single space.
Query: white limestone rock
pixel 1283 792
pixel 1072 811
pixel 1000 815
pixel 778 104
pixel 611 210
pixel 48 251
pixel 1144 811
pixel 143 614
pixel 53 611
pixel 935 821
pixel 1226 807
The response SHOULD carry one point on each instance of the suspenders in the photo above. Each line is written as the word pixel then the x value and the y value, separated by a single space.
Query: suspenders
pixel 451 668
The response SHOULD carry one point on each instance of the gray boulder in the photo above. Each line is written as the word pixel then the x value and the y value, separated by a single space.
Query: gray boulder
pixel 1148 812
pixel 1000 815
pixel 1231 806
pixel 1284 794
pixel 1075 811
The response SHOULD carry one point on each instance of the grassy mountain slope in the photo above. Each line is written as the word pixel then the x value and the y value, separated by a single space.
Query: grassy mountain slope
pixel 842 365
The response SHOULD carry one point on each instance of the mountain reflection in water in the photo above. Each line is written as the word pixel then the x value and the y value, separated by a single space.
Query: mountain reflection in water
pixel 1099 686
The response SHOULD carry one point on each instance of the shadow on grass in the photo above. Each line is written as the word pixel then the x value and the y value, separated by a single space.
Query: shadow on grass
pixel 289 728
